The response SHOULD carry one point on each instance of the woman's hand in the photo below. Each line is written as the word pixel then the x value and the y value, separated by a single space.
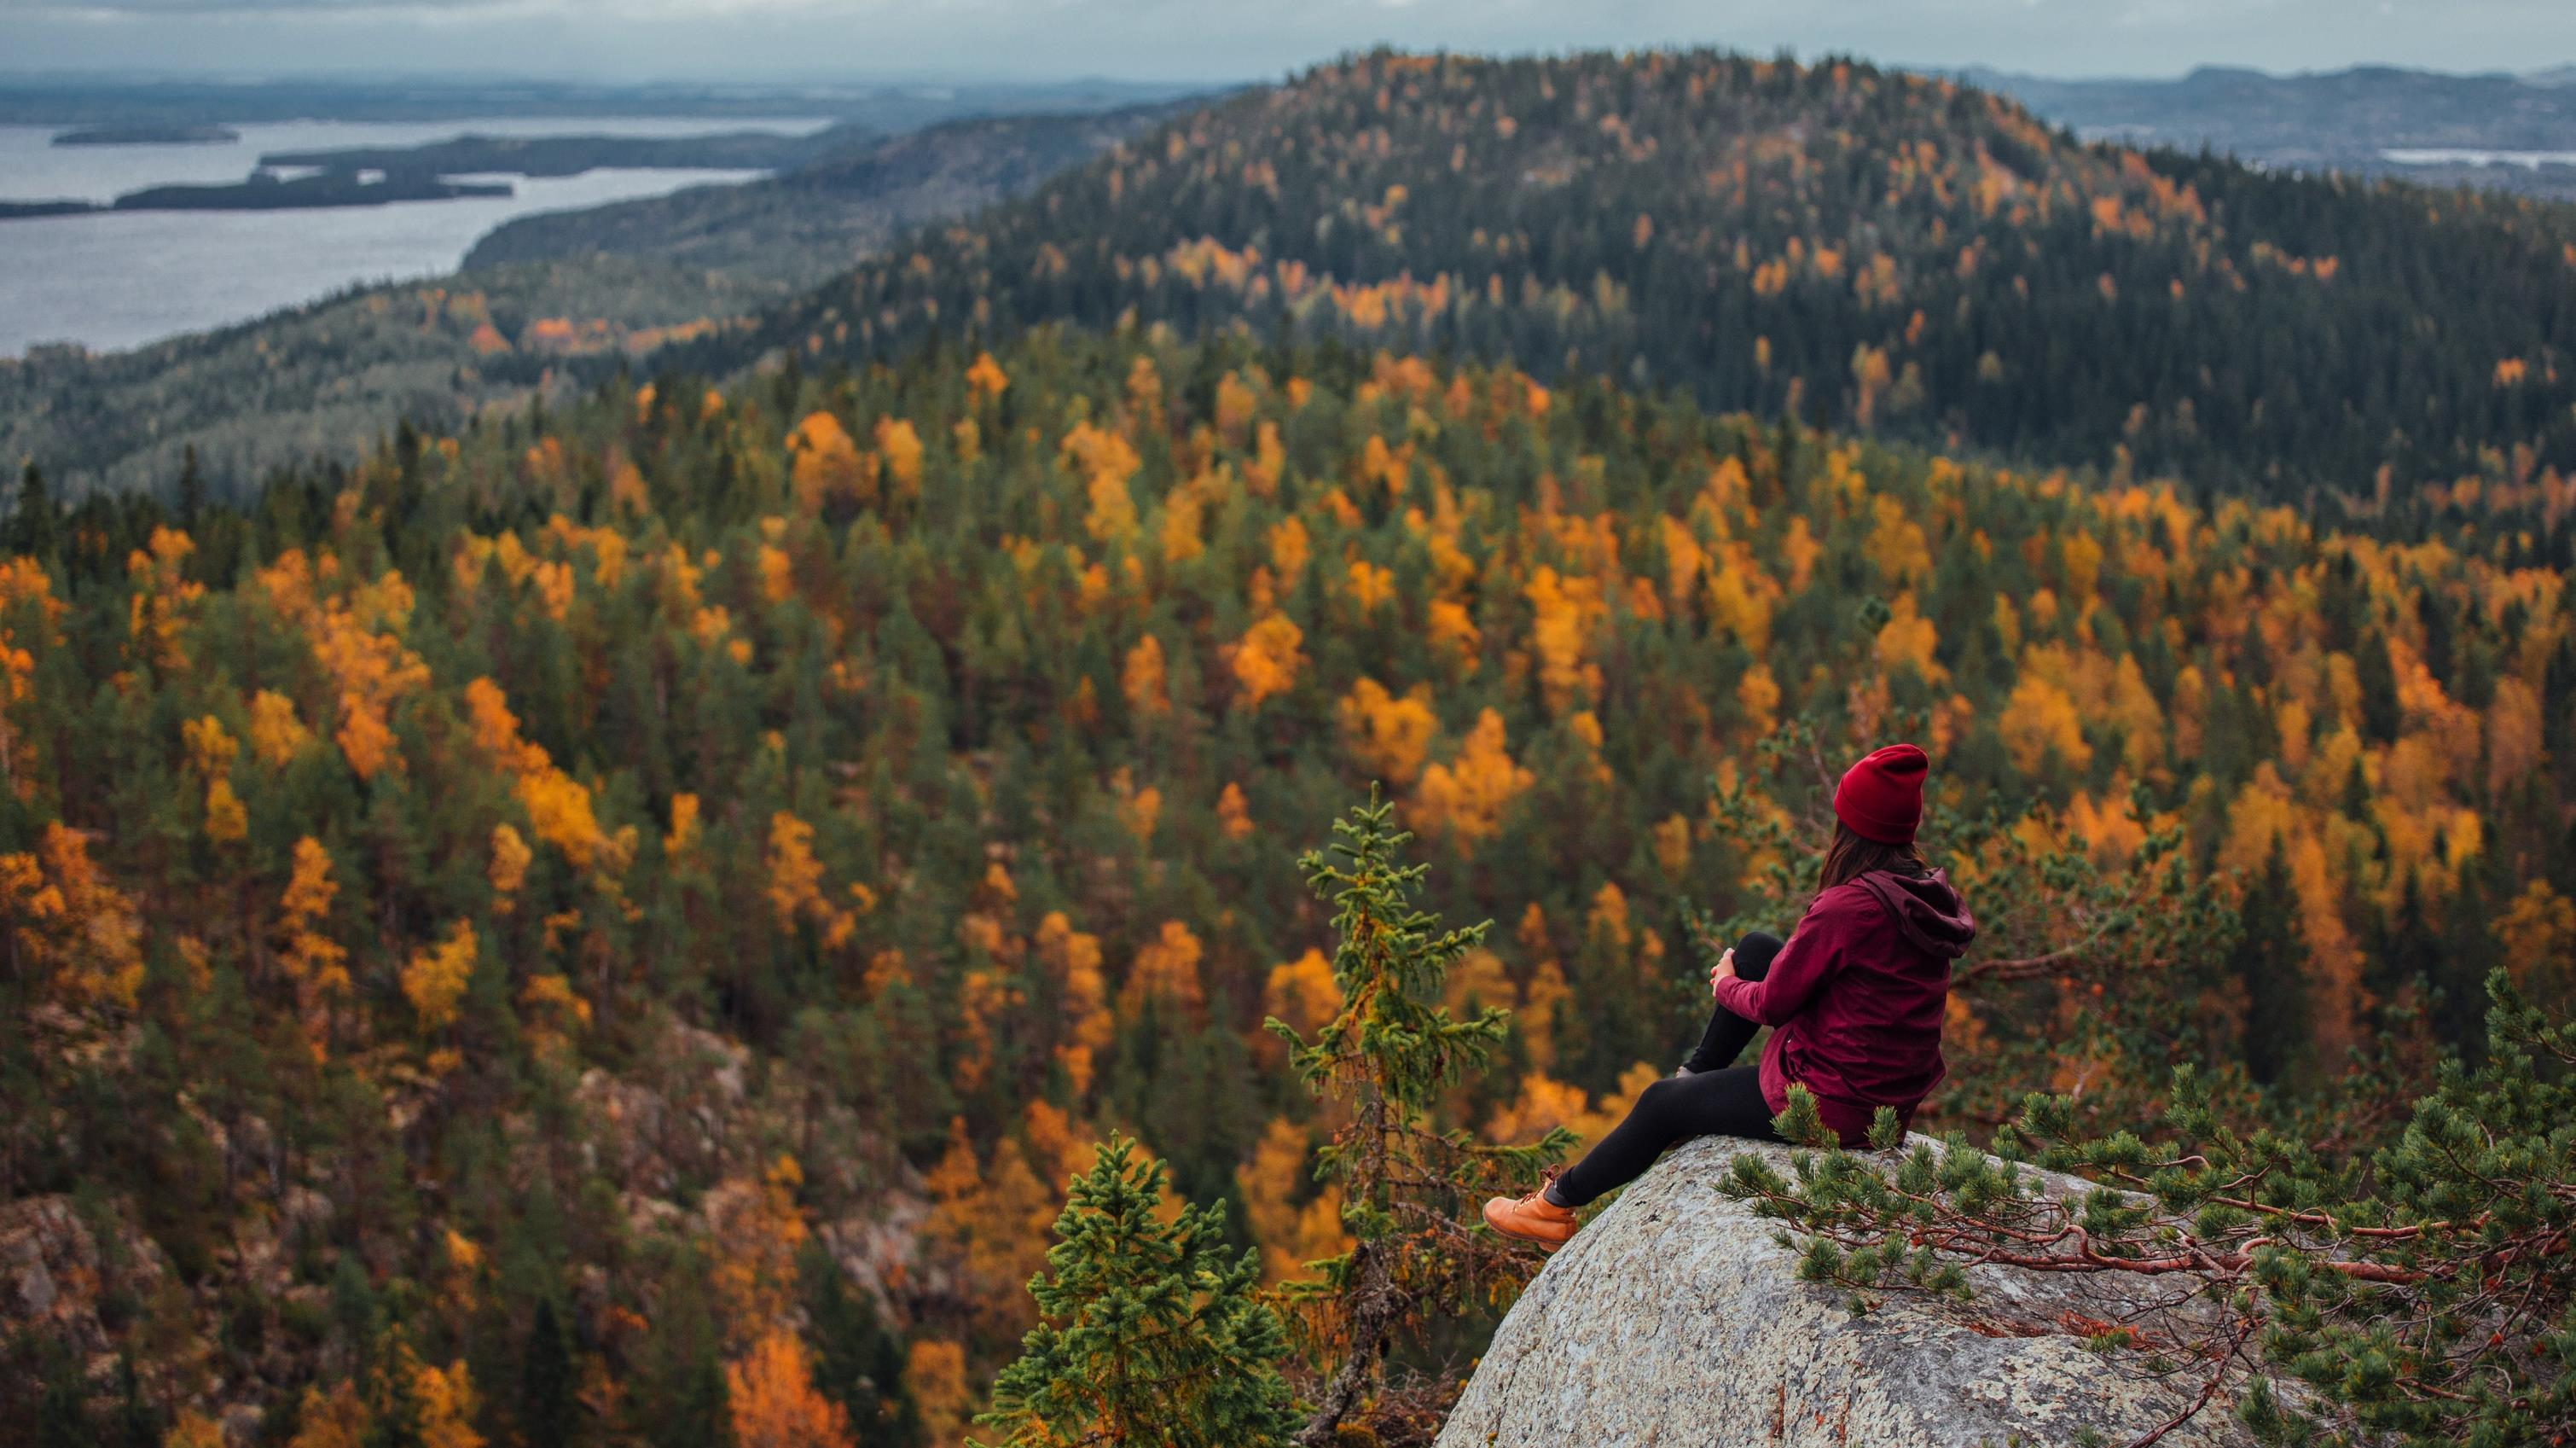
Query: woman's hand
pixel 1723 970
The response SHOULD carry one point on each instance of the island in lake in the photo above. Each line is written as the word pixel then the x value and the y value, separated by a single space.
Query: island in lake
pixel 149 135
pixel 22 210
pixel 572 155
pixel 265 191
pixel 376 175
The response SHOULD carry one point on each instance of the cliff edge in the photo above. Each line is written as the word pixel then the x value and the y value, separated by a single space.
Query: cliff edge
pixel 1676 1319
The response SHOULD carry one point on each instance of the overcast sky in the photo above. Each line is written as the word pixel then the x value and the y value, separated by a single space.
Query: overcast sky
pixel 1244 39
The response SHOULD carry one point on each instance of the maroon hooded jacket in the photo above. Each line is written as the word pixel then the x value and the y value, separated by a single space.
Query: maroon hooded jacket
pixel 1856 998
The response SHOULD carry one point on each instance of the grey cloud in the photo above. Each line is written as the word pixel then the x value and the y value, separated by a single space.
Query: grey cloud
pixel 1231 39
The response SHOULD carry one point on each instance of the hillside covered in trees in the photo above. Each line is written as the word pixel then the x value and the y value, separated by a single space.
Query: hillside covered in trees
pixel 652 874
pixel 1866 248
pixel 808 224
pixel 330 380
pixel 618 921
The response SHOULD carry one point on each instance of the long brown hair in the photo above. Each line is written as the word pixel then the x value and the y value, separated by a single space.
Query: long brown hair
pixel 1849 857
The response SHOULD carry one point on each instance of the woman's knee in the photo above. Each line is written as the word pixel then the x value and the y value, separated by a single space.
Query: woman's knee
pixel 1753 953
pixel 1660 1103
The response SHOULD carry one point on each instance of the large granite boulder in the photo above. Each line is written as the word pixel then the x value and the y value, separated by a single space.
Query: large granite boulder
pixel 1676 1319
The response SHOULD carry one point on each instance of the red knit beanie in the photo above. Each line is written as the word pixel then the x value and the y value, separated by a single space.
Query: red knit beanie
pixel 1881 797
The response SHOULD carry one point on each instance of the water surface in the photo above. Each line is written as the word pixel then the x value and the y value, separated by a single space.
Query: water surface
pixel 2459 156
pixel 120 279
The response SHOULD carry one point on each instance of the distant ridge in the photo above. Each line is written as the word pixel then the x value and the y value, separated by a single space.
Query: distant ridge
pixel 1875 249
pixel 2343 120
pixel 33 99
pixel 797 228
pixel 533 296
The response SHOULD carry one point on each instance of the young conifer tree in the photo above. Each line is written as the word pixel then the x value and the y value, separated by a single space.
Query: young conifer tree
pixel 1151 1331
pixel 1409 1190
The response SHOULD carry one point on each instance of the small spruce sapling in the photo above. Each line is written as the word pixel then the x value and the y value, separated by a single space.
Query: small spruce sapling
pixel 1409 1189
pixel 1151 1331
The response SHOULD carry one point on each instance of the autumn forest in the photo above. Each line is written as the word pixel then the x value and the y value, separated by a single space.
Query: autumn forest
pixel 620 922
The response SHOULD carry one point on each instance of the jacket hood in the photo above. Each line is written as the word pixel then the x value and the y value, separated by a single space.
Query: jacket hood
pixel 1926 908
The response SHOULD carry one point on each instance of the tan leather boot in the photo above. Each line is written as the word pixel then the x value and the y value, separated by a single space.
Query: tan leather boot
pixel 1532 1218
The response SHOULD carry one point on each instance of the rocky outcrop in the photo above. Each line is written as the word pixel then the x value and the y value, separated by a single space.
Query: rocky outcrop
pixel 681 1139
pixel 59 1279
pixel 1676 1319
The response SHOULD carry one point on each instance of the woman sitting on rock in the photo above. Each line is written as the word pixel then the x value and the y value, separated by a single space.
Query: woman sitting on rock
pixel 1854 1000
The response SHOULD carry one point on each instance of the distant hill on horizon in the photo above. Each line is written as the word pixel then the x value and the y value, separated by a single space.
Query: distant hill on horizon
pixel 1877 249
pixel 87 100
pixel 801 226
pixel 329 378
pixel 2344 120
pixel 1882 250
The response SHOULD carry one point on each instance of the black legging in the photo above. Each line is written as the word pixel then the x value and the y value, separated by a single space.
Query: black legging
pixel 1718 1098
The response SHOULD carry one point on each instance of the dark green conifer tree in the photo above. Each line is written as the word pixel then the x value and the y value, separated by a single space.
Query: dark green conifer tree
pixel 2410 950
pixel 138 1423
pixel 2466 951
pixel 546 1406
pixel 394 1415
pixel 32 516
pixel 1627 1021
pixel 2378 680
pixel 2266 960
pixel 191 491
pixel 858 1363
pixel 681 1400
pixel 1409 1190
pixel 62 1405
pixel 1151 1332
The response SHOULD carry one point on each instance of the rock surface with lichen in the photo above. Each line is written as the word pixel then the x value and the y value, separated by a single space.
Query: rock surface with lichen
pixel 1676 1318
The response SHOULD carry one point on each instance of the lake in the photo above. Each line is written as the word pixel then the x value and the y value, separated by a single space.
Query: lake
pixel 120 279
pixel 2458 156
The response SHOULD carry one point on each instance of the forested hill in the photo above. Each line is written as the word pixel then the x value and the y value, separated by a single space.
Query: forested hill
pixel 614 922
pixel 329 379
pixel 803 226
pixel 498 931
pixel 1867 247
